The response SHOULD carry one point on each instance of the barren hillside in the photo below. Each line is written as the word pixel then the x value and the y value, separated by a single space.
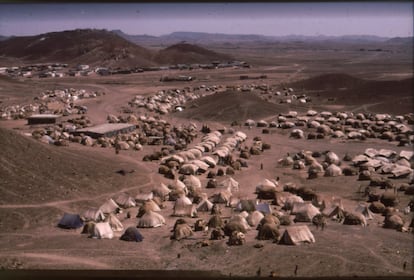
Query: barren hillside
pixel 188 53
pixel 88 46
pixel 231 106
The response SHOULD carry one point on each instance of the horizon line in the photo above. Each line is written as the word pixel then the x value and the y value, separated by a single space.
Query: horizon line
pixel 210 33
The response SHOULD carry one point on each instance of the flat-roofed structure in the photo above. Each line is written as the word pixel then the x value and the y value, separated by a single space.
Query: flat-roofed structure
pixel 42 119
pixel 106 130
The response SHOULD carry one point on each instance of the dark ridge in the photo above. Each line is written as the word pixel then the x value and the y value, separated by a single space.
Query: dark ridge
pixel 329 82
pixel 189 53
pixel 230 106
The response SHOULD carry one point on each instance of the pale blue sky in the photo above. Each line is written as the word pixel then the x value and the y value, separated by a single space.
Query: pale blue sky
pixel 387 19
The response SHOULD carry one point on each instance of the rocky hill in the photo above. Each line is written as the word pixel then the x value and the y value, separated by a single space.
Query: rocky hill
pixel 85 46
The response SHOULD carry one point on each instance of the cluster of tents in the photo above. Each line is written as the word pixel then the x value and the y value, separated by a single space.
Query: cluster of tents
pixel 379 167
pixel 383 161
pixel 207 154
pixel 102 222
pixel 345 125
pixel 166 101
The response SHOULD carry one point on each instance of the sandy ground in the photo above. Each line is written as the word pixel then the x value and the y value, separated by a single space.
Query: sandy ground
pixel 29 238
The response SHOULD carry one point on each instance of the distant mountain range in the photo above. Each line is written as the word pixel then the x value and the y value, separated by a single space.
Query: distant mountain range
pixel 211 38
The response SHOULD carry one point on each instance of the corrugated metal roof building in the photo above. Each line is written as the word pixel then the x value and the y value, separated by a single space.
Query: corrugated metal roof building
pixel 42 119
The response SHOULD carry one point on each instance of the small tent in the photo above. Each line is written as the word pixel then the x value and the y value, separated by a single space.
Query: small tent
pixel 241 220
pixel 254 218
pixel 188 169
pixel 291 200
pixel 268 231
pixel 132 234
pixel 110 206
pixel 205 206
pixel 333 171
pixel 266 186
pixel 70 221
pixel 202 166
pixel 280 198
pixel 296 235
pixel 161 191
pixel 125 200
pixel 142 197
pixel 185 210
pixel 93 214
pixel 265 208
pixel 182 231
pixel 335 212
pixel 179 186
pixel 354 218
pixel 210 161
pixel 215 222
pixel 88 228
pixel 229 184
pixel 304 212
pixel 151 219
pixel 102 231
pixel 364 210
pixel 192 183
pixel 221 197
pixel 149 205
pixel 114 222
pixel 248 205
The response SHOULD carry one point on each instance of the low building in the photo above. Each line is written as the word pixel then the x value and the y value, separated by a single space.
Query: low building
pixel 106 130
pixel 42 119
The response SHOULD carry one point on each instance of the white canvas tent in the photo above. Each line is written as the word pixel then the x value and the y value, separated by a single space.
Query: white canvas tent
pixel 125 200
pixel 142 197
pixel 229 184
pixel 110 206
pixel 161 191
pixel 151 219
pixel 102 231
pixel 254 218
pixel 114 222
pixel 205 206
pixel 93 214
pixel 185 211
pixel 304 212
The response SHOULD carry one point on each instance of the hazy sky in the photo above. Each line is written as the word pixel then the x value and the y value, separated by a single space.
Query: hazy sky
pixel 388 19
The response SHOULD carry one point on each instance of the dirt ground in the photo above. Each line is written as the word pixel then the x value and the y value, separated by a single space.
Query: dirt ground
pixel 40 182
